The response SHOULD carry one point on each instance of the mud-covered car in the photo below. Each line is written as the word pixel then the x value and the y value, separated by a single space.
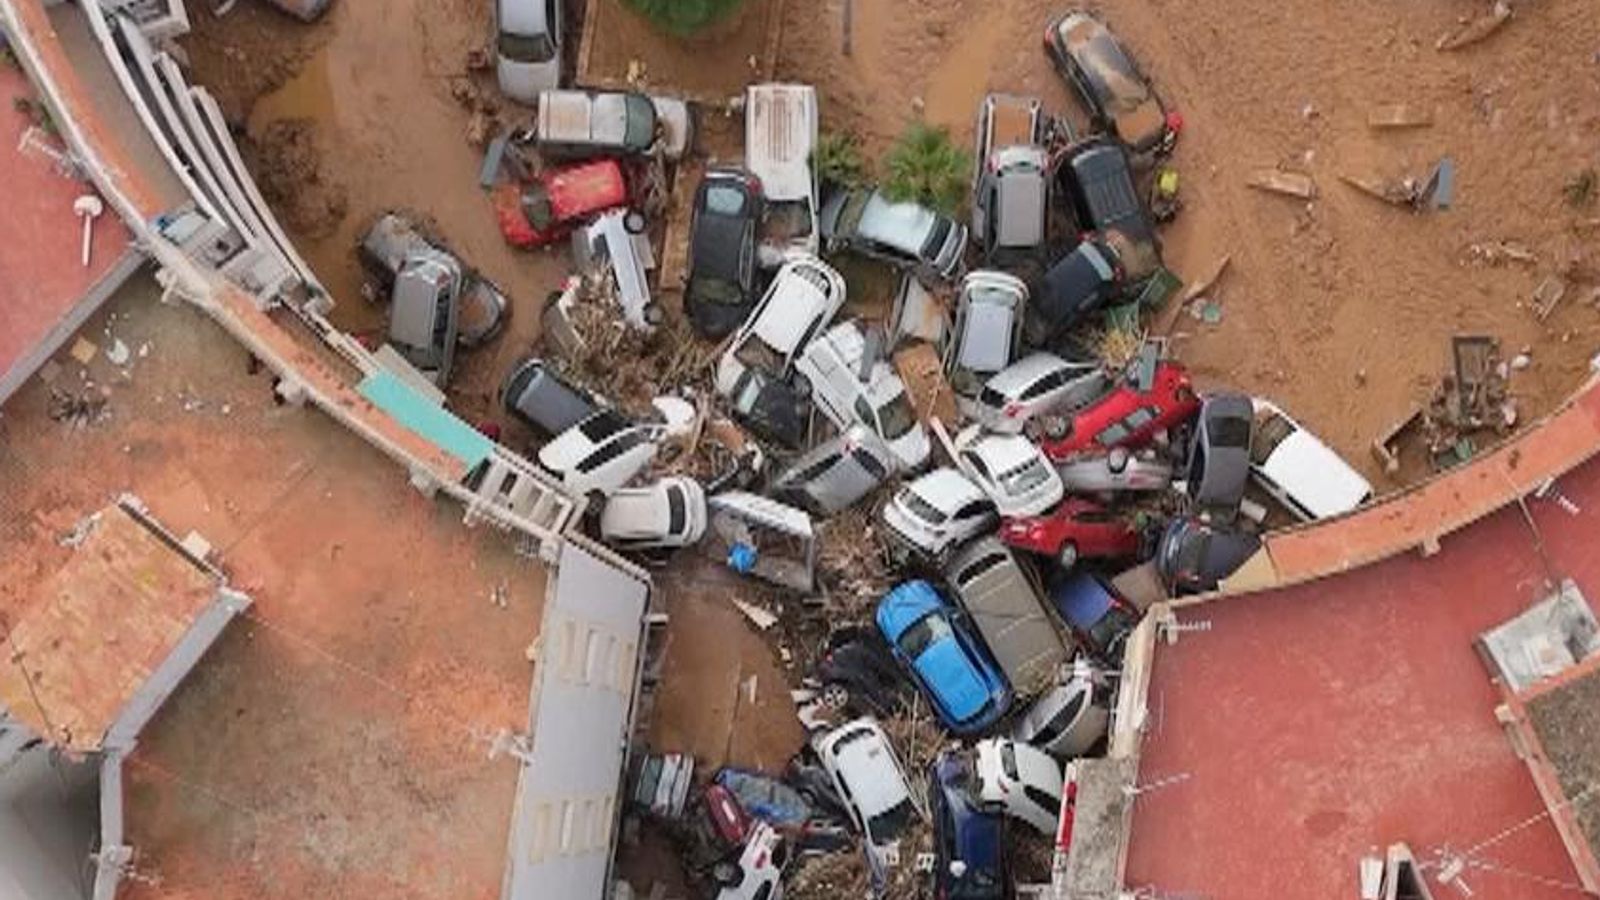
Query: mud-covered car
pixel 558 201
pixel 903 234
pixel 1108 81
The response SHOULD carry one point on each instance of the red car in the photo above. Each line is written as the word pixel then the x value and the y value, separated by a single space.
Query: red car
pixel 1075 529
pixel 1126 417
pixel 558 201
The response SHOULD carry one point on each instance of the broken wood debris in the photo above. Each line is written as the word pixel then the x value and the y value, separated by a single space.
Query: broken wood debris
pixel 1495 253
pixel 1477 29
pixel 1547 296
pixel 1437 191
pixel 1209 281
pixel 1276 181
pixel 1399 115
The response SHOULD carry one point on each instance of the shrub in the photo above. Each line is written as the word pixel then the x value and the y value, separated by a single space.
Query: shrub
pixel 1580 188
pixel 925 165
pixel 684 17
pixel 838 160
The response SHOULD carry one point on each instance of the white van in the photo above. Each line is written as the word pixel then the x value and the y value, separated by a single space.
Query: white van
pixel 780 122
pixel 832 364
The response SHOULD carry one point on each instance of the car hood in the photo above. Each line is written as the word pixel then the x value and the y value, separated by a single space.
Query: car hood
pixel 1323 482
pixel 522 82
pixel 950 675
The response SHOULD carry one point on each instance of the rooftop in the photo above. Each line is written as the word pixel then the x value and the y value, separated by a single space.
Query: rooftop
pixel 334 742
pixel 1379 725
pixel 42 278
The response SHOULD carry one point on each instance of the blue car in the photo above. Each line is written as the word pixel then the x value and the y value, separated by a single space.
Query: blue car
pixel 969 844
pixel 1099 619
pixel 949 663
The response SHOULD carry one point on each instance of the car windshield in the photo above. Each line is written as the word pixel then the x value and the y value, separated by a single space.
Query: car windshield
pixel 536 208
pixel 922 509
pixel 936 238
pixel 897 417
pixel 928 630
pixel 1111 628
pixel 1025 477
pixel 891 821
pixel 850 216
pixel 1230 432
pixel 724 200
pixel 527 48
pixel 602 425
pixel 750 388
pixel 786 220
pixel 755 354
pixel 677 511
pixel 720 291
pixel 1271 430
pixel 641 128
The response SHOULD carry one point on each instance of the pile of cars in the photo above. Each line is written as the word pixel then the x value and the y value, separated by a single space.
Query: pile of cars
pixel 1011 527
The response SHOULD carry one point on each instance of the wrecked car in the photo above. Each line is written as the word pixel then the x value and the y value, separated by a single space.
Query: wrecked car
pixel 722 251
pixel 860 675
pixel 971 854
pixel 527 47
pixel 951 665
pixel 1004 604
pixel 1038 383
pixel 1132 415
pixel 537 394
pixel 1077 285
pixel 1195 556
pixel 435 302
pixel 1219 455
pixel 870 779
pixel 758 873
pixel 1099 618
pixel 935 514
pixel 849 389
pixel 616 243
pixel 601 453
pixel 1011 193
pixel 1071 718
pixel 837 473
pixel 864 221
pixel 1020 781
pixel 1300 471
pixel 1077 529
pixel 670 513
pixel 765 539
pixel 801 299
pixel 1009 468
pixel 558 201
pixel 1105 77
pixel 781 123
pixel 1116 471
pixel 576 123
pixel 766 798
pixel 772 409
pixel 1096 178
pixel 987 332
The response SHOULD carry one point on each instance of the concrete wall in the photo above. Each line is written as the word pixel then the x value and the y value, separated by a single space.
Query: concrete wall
pixel 49 820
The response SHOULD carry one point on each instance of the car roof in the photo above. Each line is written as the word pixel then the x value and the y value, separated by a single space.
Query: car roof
pixel 587 186
pixel 1015 378
pixel 905 226
pixel 1021 197
pixel 946 489
pixel 1314 475
pixel 794 301
pixel 638 512
pixel 954 676
pixel 780 136
pixel 1081 599
pixel 1003 452
pixel 867 763
pixel 523 17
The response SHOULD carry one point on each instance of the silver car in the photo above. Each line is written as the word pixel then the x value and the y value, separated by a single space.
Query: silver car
pixel 1114 471
pixel 1069 719
pixel 837 474
pixel 1005 605
pixel 1219 455
pixel 1037 384
pixel 1011 192
pixel 905 234
pixel 987 332
pixel 527 47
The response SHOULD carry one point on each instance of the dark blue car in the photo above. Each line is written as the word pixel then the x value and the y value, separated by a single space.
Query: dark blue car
pixel 1098 618
pixel 969 844
pixel 950 664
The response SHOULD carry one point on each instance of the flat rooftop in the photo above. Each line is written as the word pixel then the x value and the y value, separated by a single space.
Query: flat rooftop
pixel 42 277
pixel 335 741
pixel 1312 724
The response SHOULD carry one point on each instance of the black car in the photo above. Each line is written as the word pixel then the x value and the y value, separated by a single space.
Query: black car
pixel 1097 180
pixel 1194 555
pixel 860 676
pixel 1105 77
pixel 970 861
pixel 722 251
pixel 539 396
pixel 1078 284
pixel 1219 455
pixel 774 410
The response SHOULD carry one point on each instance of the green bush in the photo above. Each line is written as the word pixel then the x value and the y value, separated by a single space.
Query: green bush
pixel 838 160
pixel 926 166
pixel 685 17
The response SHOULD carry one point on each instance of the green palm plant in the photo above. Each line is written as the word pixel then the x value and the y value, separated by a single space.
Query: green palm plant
pixel 685 17
pixel 927 167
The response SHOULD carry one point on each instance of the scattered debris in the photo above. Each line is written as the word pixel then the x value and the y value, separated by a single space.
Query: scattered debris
pixel 83 350
pixel 1399 115
pixel 760 618
pixel 1437 191
pixel 1581 188
pixel 1209 281
pixel 1165 204
pixel 922 371
pixel 1386 446
pixel 1547 295
pixel 77 410
pixel 196 545
pixel 1293 184
pixel 1495 253
pixel 1477 29
pixel 118 353
pixel 80 532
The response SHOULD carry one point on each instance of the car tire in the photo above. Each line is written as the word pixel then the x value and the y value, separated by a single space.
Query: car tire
pixel 1055 427
pixel 635 222
pixel 726 874
pixel 836 696
pixel 1067 556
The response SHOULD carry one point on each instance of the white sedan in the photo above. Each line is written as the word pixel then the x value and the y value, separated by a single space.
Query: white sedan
pixel 1012 470
pixel 1038 383
pixel 1299 470
pixel 1020 781
pixel 802 298
pixel 668 514
pixel 601 453
pixel 935 514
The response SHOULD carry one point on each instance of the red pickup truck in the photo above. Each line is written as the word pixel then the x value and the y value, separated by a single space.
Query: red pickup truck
pixel 558 201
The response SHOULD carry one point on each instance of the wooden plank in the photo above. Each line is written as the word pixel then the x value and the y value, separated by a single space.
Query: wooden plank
pixel 1292 184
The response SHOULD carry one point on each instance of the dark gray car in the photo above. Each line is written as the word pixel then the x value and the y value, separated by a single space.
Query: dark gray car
pixel 537 395
pixel 837 474
pixel 1219 455
pixel 1194 556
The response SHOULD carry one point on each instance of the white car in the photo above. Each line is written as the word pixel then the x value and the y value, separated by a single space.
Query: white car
pixel 861 763
pixel 760 869
pixel 527 47
pixel 1011 469
pixel 1118 469
pixel 831 365
pixel 987 331
pixel 669 513
pixel 1070 718
pixel 802 298
pixel 1299 470
pixel 1020 781
pixel 779 139
pixel 937 513
pixel 602 453
pixel 1038 383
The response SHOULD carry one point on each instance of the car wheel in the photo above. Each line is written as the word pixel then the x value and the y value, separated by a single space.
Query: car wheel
pixel 653 315
pixel 634 221
pixel 726 874
pixel 836 695
pixel 1055 428
pixel 1067 556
